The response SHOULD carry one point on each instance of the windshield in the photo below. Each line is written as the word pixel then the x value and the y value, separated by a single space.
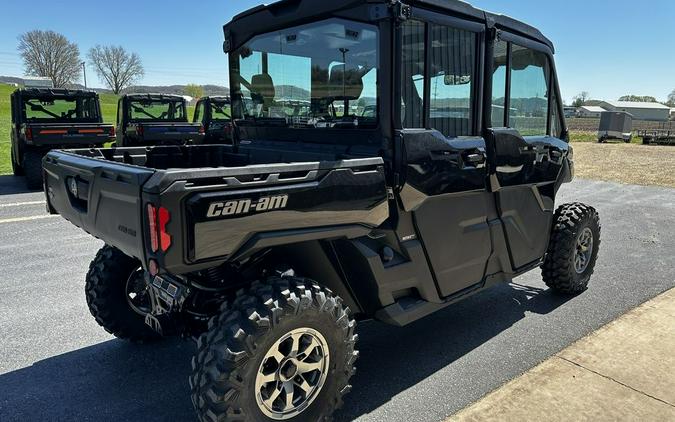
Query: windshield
pixel 83 109
pixel 320 75
pixel 157 110
pixel 220 110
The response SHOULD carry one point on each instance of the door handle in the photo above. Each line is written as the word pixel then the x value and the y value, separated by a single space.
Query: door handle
pixel 474 158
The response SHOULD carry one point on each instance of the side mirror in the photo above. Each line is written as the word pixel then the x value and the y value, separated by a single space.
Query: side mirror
pixel 457 79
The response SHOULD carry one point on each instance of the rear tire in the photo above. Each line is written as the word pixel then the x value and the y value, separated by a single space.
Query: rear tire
pixel 284 340
pixel 573 248
pixel 111 277
pixel 32 167
pixel 16 168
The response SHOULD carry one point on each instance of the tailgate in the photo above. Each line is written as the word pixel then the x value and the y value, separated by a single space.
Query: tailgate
pixel 101 197
pixel 175 131
pixel 89 134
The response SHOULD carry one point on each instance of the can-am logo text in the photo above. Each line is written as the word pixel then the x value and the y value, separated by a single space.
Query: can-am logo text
pixel 245 206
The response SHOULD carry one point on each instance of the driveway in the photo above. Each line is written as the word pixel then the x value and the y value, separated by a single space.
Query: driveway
pixel 57 364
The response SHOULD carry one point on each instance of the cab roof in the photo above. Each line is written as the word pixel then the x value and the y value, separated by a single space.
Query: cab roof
pixel 54 92
pixel 151 96
pixel 270 16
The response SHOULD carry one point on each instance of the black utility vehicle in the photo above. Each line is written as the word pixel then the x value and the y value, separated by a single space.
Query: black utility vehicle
pixel 43 119
pixel 215 115
pixel 155 119
pixel 269 250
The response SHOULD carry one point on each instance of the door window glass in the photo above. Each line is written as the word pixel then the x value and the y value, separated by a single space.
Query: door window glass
pixel 529 91
pixel 453 56
pixel 499 84
pixel 412 71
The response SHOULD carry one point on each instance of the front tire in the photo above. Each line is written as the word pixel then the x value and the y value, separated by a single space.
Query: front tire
pixel 573 248
pixel 281 350
pixel 116 295
pixel 32 167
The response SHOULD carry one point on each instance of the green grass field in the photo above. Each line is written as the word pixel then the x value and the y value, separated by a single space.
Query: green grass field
pixel 5 125
pixel 108 109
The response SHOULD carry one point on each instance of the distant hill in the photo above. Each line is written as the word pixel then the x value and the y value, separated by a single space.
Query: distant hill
pixel 178 89
pixel 171 89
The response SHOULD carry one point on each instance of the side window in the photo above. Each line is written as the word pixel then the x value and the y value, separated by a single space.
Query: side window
pixel 499 84
pixel 528 110
pixel 412 74
pixel 119 111
pixel 199 112
pixel 453 57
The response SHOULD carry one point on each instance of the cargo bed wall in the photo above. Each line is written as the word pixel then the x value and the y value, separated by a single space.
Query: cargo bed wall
pixel 248 208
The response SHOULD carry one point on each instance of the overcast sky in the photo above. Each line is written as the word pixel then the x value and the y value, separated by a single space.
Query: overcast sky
pixel 606 47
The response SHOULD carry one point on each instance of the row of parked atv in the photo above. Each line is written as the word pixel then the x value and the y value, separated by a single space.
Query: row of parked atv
pixel 45 119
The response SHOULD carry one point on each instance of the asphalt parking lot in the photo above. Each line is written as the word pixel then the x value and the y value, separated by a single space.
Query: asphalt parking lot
pixel 57 364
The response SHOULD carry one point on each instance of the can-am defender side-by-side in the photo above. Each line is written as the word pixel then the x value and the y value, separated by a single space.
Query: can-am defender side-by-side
pixel 215 116
pixel 51 118
pixel 389 159
pixel 155 119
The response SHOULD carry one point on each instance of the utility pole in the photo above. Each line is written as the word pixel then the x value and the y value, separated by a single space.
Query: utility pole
pixel 84 71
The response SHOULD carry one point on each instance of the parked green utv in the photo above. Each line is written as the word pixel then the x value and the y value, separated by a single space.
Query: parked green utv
pixel 50 118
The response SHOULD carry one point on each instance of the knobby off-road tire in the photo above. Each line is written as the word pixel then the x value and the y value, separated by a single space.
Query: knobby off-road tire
pixel 111 277
pixel 32 168
pixel 16 168
pixel 573 248
pixel 241 341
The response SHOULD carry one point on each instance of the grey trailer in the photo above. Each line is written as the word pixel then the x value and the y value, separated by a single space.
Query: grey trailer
pixel 615 125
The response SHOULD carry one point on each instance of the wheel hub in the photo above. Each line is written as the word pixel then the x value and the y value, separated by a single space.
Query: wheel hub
pixel 292 374
pixel 288 370
pixel 583 250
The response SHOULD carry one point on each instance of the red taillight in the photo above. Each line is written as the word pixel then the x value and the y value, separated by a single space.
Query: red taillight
pixel 201 130
pixel 140 130
pixel 164 236
pixel 29 134
pixel 157 221
pixel 152 226
pixel 112 132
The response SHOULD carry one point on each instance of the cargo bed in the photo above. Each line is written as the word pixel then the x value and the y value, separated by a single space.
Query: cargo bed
pixel 217 204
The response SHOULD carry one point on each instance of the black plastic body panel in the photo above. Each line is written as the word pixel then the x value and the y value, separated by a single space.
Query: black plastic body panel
pixel 335 199
pixel 108 204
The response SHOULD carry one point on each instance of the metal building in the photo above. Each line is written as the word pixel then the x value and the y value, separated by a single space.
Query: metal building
pixel 640 111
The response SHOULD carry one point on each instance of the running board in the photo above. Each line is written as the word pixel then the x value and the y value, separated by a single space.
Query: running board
pixel 407 310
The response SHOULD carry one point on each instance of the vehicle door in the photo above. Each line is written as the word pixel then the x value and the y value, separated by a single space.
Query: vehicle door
pixel 526 131
pixel 444 168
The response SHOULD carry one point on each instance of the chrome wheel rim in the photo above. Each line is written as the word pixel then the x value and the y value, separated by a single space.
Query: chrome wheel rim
pixel 292 373
pixel 136 293
pixel 583 250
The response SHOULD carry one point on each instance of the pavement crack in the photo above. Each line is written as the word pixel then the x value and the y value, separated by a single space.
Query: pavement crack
pixel 614 380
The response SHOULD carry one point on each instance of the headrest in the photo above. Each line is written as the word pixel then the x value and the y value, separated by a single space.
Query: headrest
pixel 352 77
pixel 263 85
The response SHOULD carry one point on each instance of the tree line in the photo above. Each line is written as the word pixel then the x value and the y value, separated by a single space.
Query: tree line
pixel 51 55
